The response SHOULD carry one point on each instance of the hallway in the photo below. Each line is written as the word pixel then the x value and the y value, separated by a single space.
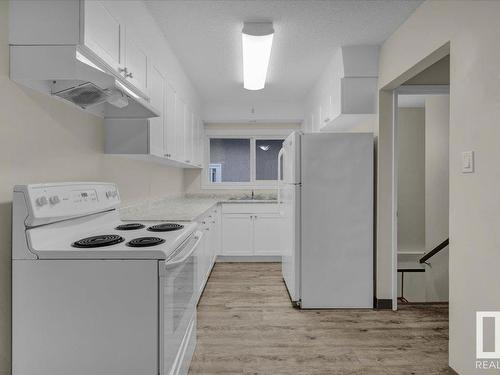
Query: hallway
pixel 246 325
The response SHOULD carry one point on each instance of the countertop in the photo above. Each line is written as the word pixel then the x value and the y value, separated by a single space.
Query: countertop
pixel 188 208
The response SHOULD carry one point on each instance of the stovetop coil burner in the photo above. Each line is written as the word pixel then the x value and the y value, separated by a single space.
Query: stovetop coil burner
pixel 165 227
pixel 98 241
pixel 145 242
pixel 130 226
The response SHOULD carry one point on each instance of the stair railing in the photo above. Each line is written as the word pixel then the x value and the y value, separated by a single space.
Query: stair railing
pixel 434 251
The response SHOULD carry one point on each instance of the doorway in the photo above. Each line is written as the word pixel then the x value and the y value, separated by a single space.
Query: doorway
pixel 422 192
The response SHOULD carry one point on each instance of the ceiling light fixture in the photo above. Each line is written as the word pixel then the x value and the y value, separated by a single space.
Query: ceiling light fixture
pixel 257 39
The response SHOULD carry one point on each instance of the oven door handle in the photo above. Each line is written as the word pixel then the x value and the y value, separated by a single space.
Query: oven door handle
pixel 173 264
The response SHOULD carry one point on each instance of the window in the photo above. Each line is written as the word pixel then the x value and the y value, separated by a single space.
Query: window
pixel 242 161
pixel 233 157
pixel 266 158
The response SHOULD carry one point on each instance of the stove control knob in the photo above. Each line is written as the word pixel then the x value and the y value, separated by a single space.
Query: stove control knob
pixel 41 201
pixel 54 199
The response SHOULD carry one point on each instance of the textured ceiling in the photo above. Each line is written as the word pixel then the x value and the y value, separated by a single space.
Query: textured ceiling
pixel 206 37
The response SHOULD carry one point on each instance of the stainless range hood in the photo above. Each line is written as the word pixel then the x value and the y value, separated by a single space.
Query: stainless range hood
pixel 62 71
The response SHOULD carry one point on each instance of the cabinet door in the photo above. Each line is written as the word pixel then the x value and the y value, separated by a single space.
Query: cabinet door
pixel 156 124
pixel 199 255
pixel 237 234
pixel 180 107
pixel 326 110
pixel 266 234
pixel 136 63
pixel 196 135
pixel 205 261
pixel 169 123
pixel 215 234
pixel 198 142
pixel 103 34
pixel 188 136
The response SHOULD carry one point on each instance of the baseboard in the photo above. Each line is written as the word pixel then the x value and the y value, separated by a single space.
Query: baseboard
pixel 248 258
pixel 382 304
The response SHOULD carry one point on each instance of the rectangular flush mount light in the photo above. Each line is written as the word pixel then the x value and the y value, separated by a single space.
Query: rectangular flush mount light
pixel 257 38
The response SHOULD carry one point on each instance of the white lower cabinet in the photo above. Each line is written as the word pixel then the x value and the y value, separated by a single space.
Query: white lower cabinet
pixel 209 225
pixel 255 231
pixel 237 234
pixel 266 229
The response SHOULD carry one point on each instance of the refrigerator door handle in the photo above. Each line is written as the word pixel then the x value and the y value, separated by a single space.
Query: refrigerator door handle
pixel 280 157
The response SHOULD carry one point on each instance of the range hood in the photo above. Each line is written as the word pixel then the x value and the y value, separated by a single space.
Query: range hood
pixel 62 71
pixel 355 88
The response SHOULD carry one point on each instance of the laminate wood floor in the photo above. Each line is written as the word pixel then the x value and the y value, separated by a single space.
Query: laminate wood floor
pixel 246 325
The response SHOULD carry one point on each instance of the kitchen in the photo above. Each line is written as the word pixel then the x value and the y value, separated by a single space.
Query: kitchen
pixel 150 138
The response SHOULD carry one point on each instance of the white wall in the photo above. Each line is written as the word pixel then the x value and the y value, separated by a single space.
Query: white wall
pixel 411 179
pixel 471 28
pixel 41 140
pixel 411 199
pixel 437 125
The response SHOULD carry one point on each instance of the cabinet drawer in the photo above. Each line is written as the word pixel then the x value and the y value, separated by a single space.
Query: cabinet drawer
pixel 249 208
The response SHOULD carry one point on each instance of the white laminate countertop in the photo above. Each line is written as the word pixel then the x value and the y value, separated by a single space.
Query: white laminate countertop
pixel 188 208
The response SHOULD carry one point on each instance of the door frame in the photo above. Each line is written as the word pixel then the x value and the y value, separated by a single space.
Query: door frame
pixel 403 90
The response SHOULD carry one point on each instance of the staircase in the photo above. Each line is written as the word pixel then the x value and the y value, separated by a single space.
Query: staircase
pixel 412 266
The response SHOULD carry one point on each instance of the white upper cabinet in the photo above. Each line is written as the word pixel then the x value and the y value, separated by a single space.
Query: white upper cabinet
pixel 180 109
pixel 55 23
pixel 136 63
pixel 346 91
pixel 115 44
pixel 156 125
pixel 169 133
pixel 326 110
pixel 103 34
pixel 188 136
pixel 198 142
pixel 117 38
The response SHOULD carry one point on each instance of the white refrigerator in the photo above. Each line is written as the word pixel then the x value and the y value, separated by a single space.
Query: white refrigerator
pixel 325 194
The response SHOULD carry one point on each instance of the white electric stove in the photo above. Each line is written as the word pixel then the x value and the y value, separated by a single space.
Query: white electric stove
pixel 94 294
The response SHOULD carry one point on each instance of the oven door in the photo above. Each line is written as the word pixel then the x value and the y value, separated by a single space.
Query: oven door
pixel 178 296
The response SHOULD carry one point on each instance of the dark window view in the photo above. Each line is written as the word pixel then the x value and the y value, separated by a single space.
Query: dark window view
pixel 266 158
pixel 229 160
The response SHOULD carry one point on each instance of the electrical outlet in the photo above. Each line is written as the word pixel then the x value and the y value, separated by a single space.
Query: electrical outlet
pixel 468 162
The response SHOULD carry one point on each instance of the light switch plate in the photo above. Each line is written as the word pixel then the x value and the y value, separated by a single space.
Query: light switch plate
pixel 468 162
